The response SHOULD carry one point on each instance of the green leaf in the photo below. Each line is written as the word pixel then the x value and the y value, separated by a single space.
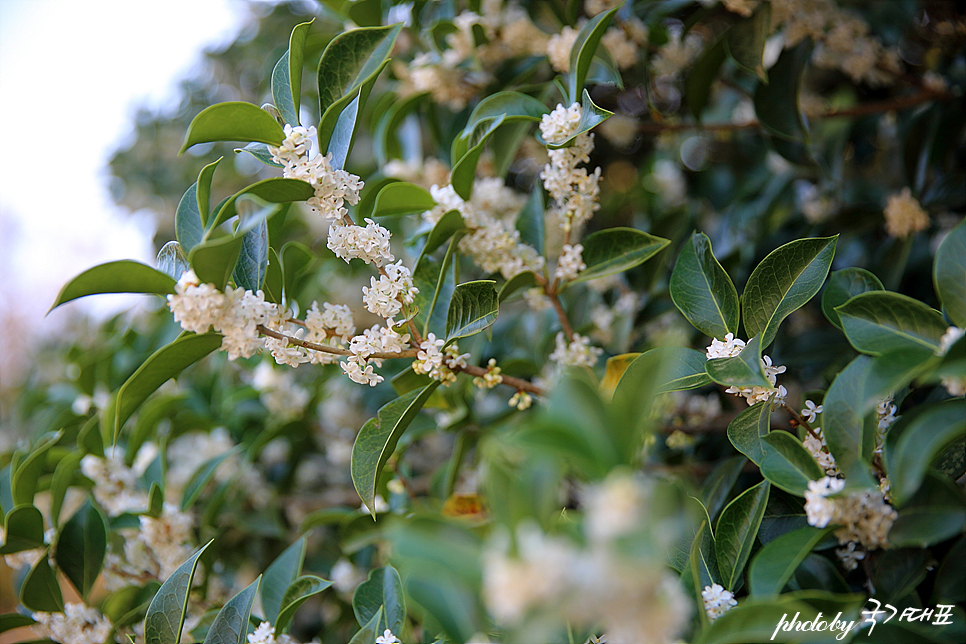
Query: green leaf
pixel 948 272
pixel 745 41
pixel 681 368
pixel 473 307
pixel 295 595
pixel 40 590
pixel 879 322
pixel 196 484
pixel 583 50
pixel 155 500
pixel 783 282
pixel 702 290
pixel 777 103
pixel 519 281
pixel 233 121
pixel 164 364
pixel 920 443
pixel 842 286
pixel 845 407
pixel 274 190
pixel 282 90
pixel 279 576
pixel 717 487
pixel 382 590
pixel 787 464
pixel 81 546
pixel 513 106
pixel 377 440
pixel 385 141
pixel 90 440
pixel 172 261
pixel 343 132
pixel 188 226
pixel 736 530
pixel 701 76
pixel 742 370
pixel 436 283
pixel 252 264
pixel 590 117
pixel 401 198
pixel 231 624
pixel 615 250
pixel 448 225
pixel 260 151
pixel 128 605
pixel 214 261
pixel 532 219
pixel 123 276
pixel 936 512
pixel 203 189
pixel 24 530
pixel 464 168
pixel 165 616
pixel 370 631
pixel 10 621
pixel 775 563
pixel 24 480
pixel 297 260
pixel 702 566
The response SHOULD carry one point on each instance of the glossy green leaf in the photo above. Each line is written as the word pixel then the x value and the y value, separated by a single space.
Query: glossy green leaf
pixel 165 617
pixel 436 282
pixel 25 478
pixel 259 151
pixel 40 590
pixel 188 225
pixel 155 500
pixel 777 103
pixel 203 189
pixel 296 260
pixel 81 546
pixel 252 264
pixel 233 121
pixel 298 592
pixel 282 90
pixel 702 566
pixel 24 530
pixel 296 60
pixel 590 117
pixel 745 41
pixel 343 132
pixel 783 282
pixel 90 440
pixel 401 198
pixel 717 487
pixel 701 76
pixel 126 606
pixel 519 281
pixel 448 225
pixel 702 290
pixel 464 168
pixel 604 70
pixel 385 140
pixel 10 621
pixel 934 513
pixel 274 284
pixel 879 322
pixel 615 250
pixel 787 464
pixel 231 624
pixel 512 106
pixel 532 219
pixel 123 276
pixel 377 440
pixel 845 407
pixel 775 563
pixel 279 576
pixel 370 631
pixel 583 50
pixel 921 442
pixel 172 261
pixel 214 261
pixel 842 286
pixel 736 530
pixel 383 589
pixel 473 307
pixel 742 370
pixel 275 190
pixel 164 364
pixel 948 274
pixel 681 368
pixel 949 586
pixel 200 478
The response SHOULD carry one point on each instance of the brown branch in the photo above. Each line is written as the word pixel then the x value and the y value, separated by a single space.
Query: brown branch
pixel 517 383
pixel 339 351
pixel 561 314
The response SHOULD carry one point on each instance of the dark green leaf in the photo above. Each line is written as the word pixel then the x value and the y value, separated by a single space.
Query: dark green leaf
pixel 60 481
pixel 24 480
pixel 590 117
pixel 165 616
pixel 473 307
pixel 949 578
pixel 188 225
pixel 233 121
pixel 701 75
pixel 702 566
pixel 383 589
pixel 948 272
pixel 385 141
pixel 297 260
pixel 274 284
pixel 214 261
pixel 124 276
pixel 783 282
pixel 896 573
pixel 702 290
pixel 843 418
pixel 203 190
pixel 448 225
pixel 532 218
pixel 40 590
pixel 24 530
pixel 615 250
pixel 842 286
pixel 282 90
pixel 436 283
pixel 231 624
pixel 777 103
pixel 774 564
pixel 370 631
pixel 745 41
pixel 513 106
pixel 274 190
pixel 787 464
pixel 279 576
pixel 344 131
pixel 921 441
pixel 155 500
pixel 81 546
pixel 10 621
pixel 936 512
pixel 879 322
pixel 464 167
pixel 252 264
pixel 736 530
pixel 377 440
pixel 295 595
pixel 127 605
pixel 400 198
pixel 583 50
pixel 742 370
pixel 201 476
pixel 260 151
pixel 172 261
pixel 717 487
pixel 519 281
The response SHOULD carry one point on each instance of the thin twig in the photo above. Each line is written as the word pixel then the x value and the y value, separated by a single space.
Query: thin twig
pixel 517 383
pixel 339 351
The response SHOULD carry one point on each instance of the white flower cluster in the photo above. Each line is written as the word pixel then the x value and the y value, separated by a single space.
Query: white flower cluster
pixel 491 378
pixel 570 262
pixel 265 634
pixel 376 339
pixel 955 386
pixel 78 624
pixel 677 54
pixel 575 192
pixel 903 215
pixel 732 347
pixel 115 484
pixel 558 49
pixel 394 289
pixel 814 441
pixel 717 601
pixel 578 353
pixel 439 363
pixel 333 188
pixel 864 516
pixel 493 242
pixel 597 585
pixel 370 243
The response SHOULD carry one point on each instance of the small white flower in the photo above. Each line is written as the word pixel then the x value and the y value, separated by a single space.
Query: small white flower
pixel 727 349
pixel 578 353
pixel 387 638
pixel 811 411
pixel 570 262
pixel 717 601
